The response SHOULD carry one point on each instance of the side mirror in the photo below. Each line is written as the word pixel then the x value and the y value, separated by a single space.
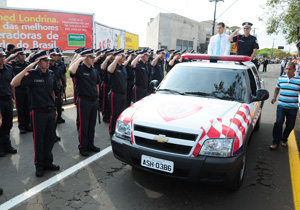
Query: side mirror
pixel 153 85
pixel 261 95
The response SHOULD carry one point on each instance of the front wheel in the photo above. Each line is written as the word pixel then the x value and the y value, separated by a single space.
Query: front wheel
pixel 239 177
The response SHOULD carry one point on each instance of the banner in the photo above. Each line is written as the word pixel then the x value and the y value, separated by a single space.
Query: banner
pixel 45 29
pixel 103 37
pixel 131 41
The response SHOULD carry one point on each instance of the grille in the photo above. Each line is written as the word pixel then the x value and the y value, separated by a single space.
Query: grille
pixel 170 134
pixel 167 147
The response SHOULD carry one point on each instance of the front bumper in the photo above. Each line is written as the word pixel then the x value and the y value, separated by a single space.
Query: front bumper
pixel 194 169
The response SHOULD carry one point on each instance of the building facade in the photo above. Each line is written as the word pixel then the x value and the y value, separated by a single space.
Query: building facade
pixel 172 31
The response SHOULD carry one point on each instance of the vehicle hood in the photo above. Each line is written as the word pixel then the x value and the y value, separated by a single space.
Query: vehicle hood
pixel 179 112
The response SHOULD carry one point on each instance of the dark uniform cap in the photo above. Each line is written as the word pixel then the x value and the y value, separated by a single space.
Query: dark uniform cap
pixel 247 25
pixel 79 49
pixel 42 55
pixel 2 51
pixel 160 50
pixel 171 51
pixel 35 49
pixel 20 51
pixel 59 51
pixel 88 52
pixel 177 51
pixel 130 51
pixel 183 51
pixel 110 51
pixel 120 51
pixel 52 51
pixel 144 51
pixel 98 50
pixel 192 51
pixel 103 50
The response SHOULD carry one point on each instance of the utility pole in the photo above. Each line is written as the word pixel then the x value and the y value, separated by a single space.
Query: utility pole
pixel 214 22
pixel 272 48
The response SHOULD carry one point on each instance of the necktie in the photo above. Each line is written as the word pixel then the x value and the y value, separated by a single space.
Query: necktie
pixel 218 46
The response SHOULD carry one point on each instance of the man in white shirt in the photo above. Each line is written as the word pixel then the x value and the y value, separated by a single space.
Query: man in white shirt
pixel 219 44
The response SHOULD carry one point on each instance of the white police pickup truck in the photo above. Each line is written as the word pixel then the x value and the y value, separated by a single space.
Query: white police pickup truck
pixel 197 124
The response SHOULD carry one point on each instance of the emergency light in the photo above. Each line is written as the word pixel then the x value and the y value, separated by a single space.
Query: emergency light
pixel 216 58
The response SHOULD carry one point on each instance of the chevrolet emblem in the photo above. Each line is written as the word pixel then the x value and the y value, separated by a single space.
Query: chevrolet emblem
pixel 161 138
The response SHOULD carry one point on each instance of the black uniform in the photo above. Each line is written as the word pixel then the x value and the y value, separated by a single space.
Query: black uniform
pixel 265 64
pixel 42 87
pixel 6 108
pixel 97 65
pixel 87 80
pixel 106 86
pixel 117 95
pixel 22 99
pixel 130 84
pixel 246 44
pixel 175 62
pixel 142 75
pixel 75 100
pixel 158 71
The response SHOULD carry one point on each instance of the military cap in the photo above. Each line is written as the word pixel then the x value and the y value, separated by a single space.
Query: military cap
pixel 42 55
pixel 192 51
pixel 88 52
pixel 103 50
pixel 120 51
pixel 35 49
pixel 20 51
pixel 247 25
pixel 177 51
pixel 52 51
pixel 160 50
pixel 130 51
pixel 59 51
pixel 171 51
pixel 98 50
pixel 79 49
pixel 144 51
pixel 183 51
pixel 2 51
pixel 110 51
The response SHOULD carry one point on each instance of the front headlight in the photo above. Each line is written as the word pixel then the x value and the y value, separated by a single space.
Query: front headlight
pixel 122 130
pixel 217 147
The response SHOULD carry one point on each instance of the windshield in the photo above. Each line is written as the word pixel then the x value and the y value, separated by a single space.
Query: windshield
pixel 219 83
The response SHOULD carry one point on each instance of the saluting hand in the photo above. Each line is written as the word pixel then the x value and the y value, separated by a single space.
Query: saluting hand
pixel 118 57
pixel 81 58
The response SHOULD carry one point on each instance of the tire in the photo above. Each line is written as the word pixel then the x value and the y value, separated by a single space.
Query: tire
pixel 257 126
pixel 237 182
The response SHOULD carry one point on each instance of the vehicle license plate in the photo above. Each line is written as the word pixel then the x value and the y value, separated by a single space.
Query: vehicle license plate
pixel 157 164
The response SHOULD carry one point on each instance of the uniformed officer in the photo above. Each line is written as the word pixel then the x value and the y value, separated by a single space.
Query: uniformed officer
pixel 158 65
pixel 100 57
pixel 6 105
pixel 182 60
pixel 10 50
pixel 21 94
pixel 246 44
pixel 41 84
pixel 142 75
pixel 62 67
pixel 33 51
pixel 106 86
pixel 168 59
pixel 87 80
pixel 58 81
pixel 176 59
pixel 131 55
pixel 118 88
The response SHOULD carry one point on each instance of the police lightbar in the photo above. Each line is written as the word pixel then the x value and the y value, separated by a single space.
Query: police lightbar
pixel 215 58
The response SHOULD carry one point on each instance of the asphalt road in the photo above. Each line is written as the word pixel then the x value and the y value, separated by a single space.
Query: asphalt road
pixel 109 184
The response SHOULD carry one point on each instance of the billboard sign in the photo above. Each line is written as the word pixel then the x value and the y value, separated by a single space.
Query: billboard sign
pixel 45 29
pixel 131 41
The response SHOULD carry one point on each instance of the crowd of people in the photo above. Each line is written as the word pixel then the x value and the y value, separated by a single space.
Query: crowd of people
pixel 104 80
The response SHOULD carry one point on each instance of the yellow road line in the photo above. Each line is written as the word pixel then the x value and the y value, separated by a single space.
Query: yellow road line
pixel 295 169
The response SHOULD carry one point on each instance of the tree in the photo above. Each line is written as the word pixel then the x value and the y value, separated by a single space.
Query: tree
pixel 283 16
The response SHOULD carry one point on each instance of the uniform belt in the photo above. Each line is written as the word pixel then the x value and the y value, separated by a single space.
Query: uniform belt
pixel 44 110
pixel 5 98
pixel 88 98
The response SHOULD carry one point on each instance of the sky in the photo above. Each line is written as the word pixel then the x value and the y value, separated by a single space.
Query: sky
pixel 133 15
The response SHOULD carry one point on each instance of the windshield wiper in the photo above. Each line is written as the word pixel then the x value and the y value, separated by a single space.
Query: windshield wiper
pixel 171 91
pixel 199 93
